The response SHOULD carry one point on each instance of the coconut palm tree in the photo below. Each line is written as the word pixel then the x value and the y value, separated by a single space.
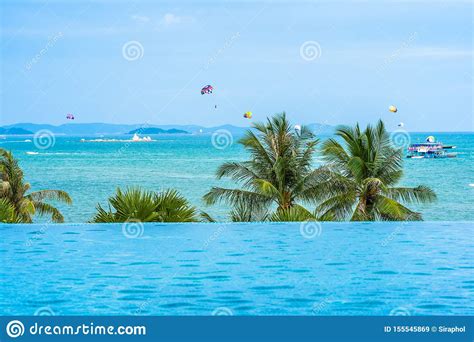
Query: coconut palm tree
pixel 146 206
pixel 278 175
pixel 15 192
pixel 359 181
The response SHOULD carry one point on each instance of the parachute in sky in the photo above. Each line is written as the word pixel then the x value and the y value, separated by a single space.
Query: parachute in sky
pixel 207 89
pixel 70 117
pixel 393 109
pixel 401 124
pixel 248 115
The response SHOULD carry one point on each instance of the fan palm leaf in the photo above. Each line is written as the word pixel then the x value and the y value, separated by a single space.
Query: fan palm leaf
pixel 146 206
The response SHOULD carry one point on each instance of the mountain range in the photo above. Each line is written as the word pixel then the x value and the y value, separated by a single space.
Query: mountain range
pixel 14 131
pixel 97 129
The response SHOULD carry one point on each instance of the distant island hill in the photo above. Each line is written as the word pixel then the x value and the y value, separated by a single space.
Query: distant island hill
pixel 14 131
pixel 98 129
pixel 156 130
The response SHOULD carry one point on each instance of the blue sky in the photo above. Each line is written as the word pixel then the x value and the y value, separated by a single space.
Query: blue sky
pixel 62 57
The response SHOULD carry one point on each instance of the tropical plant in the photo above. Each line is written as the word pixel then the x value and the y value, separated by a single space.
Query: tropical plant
pixel 7 212
pixel 15 194
pixel 146 206
pixel 294 214
pixel 359 181
pixel 278 175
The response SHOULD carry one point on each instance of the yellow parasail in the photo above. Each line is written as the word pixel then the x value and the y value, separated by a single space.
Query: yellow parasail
pixel 393 109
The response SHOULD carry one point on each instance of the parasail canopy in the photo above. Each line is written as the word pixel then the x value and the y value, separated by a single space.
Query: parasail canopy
pixel 248 115
pixel 207 89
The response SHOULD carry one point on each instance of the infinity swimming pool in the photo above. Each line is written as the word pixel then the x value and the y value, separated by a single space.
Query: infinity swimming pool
pixel 242 269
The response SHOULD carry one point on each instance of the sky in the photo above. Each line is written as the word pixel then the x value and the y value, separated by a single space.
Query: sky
pixel 333 62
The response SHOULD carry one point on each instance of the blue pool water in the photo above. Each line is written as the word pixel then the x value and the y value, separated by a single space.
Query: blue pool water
pixel 91 172
pixel 241 269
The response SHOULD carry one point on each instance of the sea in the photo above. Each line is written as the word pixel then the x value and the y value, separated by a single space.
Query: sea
pixel 90 169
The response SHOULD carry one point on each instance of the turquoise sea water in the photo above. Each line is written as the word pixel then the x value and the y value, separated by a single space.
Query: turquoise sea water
pixel 90 172
pixel 415 268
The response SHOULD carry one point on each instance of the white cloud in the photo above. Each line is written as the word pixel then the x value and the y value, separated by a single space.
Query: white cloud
pixel 140 18
pixel 438 52
pixel 170 19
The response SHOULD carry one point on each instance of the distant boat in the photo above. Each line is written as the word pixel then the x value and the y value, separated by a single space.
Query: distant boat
pixel 430 149
pixel 137 138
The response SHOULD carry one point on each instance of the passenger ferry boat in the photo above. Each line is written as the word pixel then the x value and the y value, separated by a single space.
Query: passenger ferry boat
pixel 430 149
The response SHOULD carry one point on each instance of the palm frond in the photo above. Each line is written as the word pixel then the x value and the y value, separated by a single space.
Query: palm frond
pixel 47 209
pixel 420 194
pixel 54 195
